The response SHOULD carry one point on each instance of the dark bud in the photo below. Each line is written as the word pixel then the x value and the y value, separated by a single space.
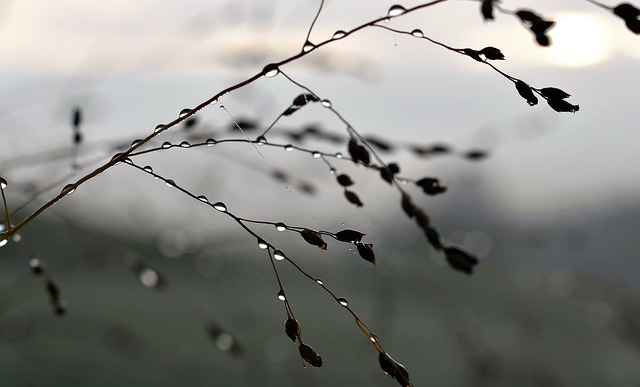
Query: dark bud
pixel 561 105
pixel 54 291
pixel 344 180
pixel 394 369
pixel 492 53
pixel 629 13
pixel 387 173
pixel 525 92
pixel 430 186
pixel 475 155
pixel 433 236
pixel 77 138
pixel 554 92
pixel 460 259
pixel 529 17
pixel 349 236
pixel 190 123
pixel 60 308
pixel 440 149
pixel 358 152
pixel 309 355
pixel 279 175
pixel 473 54
pixel 540 29
pixel 292 328
pixel 381 145
pixel 352 198
pixel 386 363
pixel 487 9
pixel 402 375
pixel 76 117
pixel 422 219
pixel 307 188
pixel 633 25
pixel 245 124
pixel 626 11
pixel 366 251
pixel 313 238
pixel 303 99
pixel 407 206
pixel 292 109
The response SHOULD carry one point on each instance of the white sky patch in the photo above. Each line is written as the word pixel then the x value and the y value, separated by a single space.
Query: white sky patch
pixel 579 40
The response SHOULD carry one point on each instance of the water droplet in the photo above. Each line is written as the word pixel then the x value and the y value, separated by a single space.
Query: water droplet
pixel 288 148
pixel 210 142
pixel 281 296
pixel 396 10
pixel 262 139
pixel 170 183
pixel 128 161
pixel 373 338
pixel 326 103
pixel 3 183
pixel 185 112
pixel 319 281
pixel 148 169
pixel 332 171
pixel 203 198
pixel 339 155
pixel 339 34
pixel 166 145
pixel 270 70
pixel 278 255
pixel 224 341
pixel 4 242
pixel 262 244
pixel 69 187
pixel 185 144
pixel 343 301
pixel 281 226
pixel 316 154
pixel 220 207
pixel 16 238
pixel 136 142
pixel 308 46
pixel 159 127
pixel 149 278
pixel 116 157
pixel 417 33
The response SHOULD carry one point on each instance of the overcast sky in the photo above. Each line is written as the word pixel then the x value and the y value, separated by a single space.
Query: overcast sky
pixel 133 64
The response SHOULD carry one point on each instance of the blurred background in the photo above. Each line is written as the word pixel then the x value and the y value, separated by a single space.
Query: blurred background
pixel 163 290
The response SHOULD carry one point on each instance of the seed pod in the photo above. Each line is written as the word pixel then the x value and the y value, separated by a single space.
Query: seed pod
pixel 309 355
pixel 353 198
pixel 344 180
pixel 407 205
pixel 366 251
pixel 433 236
pixel 525 92
pixel 358 152
pixel 313 238
pixel 460 259
pixel 348 235
pixel 292 328
pixel 492 53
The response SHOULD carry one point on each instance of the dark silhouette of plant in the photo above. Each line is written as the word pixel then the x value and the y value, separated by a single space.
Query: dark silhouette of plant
pixel 365 152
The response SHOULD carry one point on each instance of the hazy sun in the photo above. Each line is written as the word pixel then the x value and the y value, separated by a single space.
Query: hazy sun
pixel 578 40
